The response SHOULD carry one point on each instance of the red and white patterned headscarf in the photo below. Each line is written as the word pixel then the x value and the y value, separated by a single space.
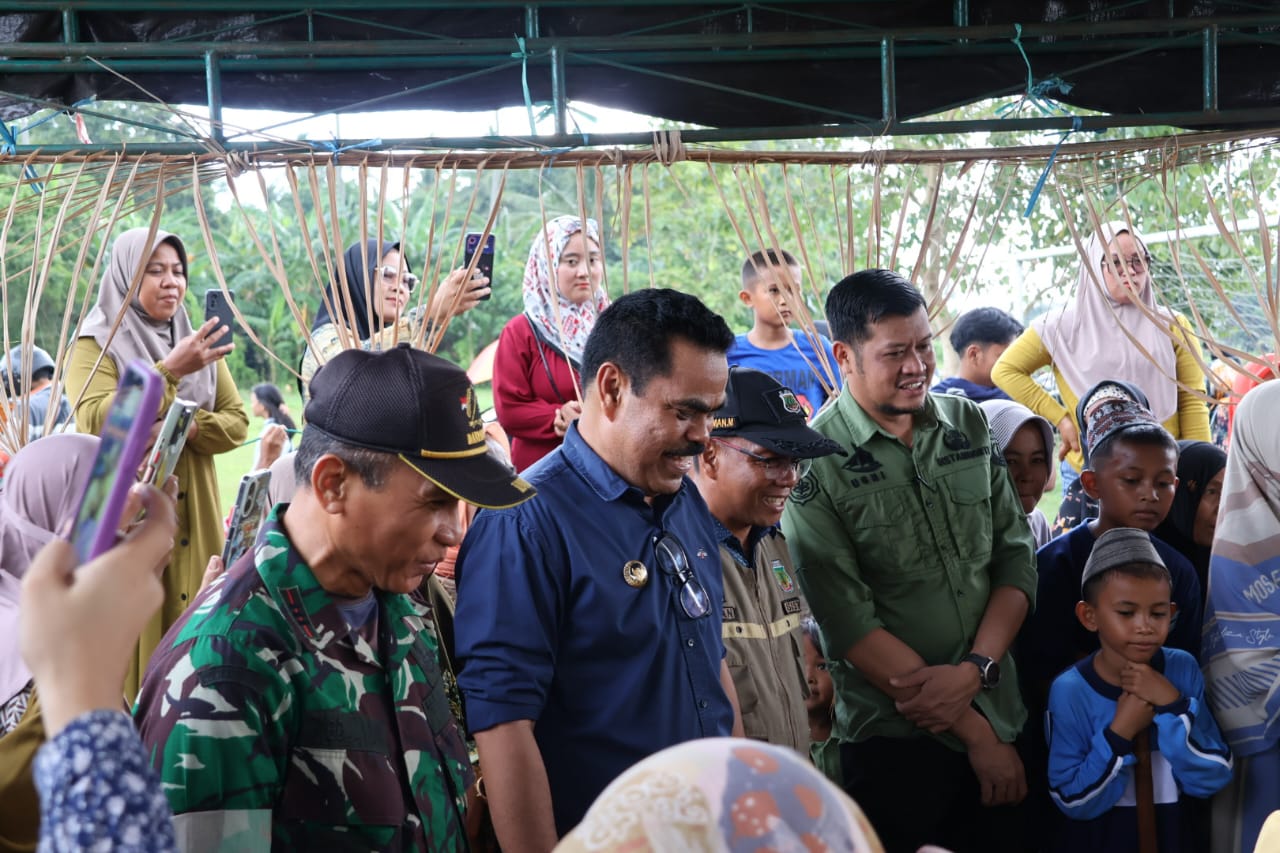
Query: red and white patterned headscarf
pixel 557 320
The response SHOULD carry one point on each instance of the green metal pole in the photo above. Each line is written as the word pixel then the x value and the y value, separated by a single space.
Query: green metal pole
pixel 213 85
pixel 812 131
pixel 70 26
pixel 888 83
pixel 558 99
pixel 1210 42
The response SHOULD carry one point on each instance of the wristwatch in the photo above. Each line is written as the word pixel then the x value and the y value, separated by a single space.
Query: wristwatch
pixel 988 670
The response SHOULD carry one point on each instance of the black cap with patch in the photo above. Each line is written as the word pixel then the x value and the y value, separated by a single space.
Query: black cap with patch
pixel 421 408
pixel 760 409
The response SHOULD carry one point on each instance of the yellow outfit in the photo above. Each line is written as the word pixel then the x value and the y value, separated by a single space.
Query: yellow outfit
pixel 200 532
pixel 19 805
pixel 1012 373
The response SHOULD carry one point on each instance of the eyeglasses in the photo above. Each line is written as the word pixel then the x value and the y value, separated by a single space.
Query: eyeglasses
pixel 392 275
pixel 1136 265
pixel 775 467
pixel 673 559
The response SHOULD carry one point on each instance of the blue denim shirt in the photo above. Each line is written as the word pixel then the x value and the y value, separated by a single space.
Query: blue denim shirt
pixel 548 629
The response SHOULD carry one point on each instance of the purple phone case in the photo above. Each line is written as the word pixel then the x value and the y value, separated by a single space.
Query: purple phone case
pixel 96 533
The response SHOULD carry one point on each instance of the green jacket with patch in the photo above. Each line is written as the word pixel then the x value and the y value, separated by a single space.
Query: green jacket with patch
pixel 912 540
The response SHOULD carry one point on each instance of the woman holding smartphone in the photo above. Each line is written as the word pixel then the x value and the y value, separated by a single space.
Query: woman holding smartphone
pixel 154 327
pixel 535 380
pixel 371 308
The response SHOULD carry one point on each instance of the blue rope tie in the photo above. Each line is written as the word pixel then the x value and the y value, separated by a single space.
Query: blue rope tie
pixel 1076 124
pixel 523 55
pixel 1036 93
pixel 10 147
pixel 333 148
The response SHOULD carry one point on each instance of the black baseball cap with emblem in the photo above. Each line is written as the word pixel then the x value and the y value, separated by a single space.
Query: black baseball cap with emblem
pixel 419 407
pixel 760 409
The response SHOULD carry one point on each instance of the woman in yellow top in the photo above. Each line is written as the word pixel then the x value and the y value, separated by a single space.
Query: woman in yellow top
pixel 154 327
pixel 1094 339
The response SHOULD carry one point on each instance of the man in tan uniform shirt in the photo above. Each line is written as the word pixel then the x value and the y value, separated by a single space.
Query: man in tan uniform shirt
pixel 760 448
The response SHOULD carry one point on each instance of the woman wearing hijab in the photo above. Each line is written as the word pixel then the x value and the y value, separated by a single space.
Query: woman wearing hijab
pixel 722 795
pixel 535 380
pixel 1241 653
pixel 371 307
pixel 42 491
pixel 154 327
pixel 1103 335
pixel 1193 517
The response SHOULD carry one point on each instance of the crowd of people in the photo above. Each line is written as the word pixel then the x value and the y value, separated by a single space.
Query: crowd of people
pixel 692 590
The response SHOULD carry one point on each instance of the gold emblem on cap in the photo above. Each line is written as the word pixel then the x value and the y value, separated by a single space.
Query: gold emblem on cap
pixel 635 573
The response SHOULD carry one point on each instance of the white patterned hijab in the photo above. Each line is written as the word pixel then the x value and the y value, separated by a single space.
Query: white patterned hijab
pixel 556 320
pixel 722 795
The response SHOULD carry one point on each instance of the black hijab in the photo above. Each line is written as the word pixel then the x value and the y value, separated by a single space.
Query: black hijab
pixel 359 260
pixel 1198 463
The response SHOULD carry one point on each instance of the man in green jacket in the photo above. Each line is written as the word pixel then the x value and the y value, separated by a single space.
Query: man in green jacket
pixel 918 563
pixel 760 447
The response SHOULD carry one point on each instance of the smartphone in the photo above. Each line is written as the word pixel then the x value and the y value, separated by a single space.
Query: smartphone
pixel 246 518
pixel 217 304
pixel 115 468
pixel 484 266
pixel 170 441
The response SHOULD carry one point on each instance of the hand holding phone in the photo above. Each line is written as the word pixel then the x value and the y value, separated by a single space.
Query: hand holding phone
pixel 115 467
pixel 169 442
pixel 484 266
pixel 195 352
pixel 251 506
pixel 218 307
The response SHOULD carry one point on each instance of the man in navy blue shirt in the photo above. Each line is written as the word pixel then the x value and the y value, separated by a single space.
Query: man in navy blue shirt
pixel 588 620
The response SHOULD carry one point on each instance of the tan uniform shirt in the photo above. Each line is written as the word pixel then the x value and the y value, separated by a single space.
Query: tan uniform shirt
pixel 762 612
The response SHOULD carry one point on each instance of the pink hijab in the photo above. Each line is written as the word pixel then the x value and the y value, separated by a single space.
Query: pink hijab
pixel 42 487
pixel 1078 334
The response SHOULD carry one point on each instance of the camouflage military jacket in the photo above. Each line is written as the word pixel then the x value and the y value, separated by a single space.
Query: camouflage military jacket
pixel 272 725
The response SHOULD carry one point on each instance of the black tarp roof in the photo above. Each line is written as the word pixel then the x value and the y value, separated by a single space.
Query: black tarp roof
pixel 714 64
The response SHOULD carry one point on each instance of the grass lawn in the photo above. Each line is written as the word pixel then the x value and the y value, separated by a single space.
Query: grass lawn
pixel 235 464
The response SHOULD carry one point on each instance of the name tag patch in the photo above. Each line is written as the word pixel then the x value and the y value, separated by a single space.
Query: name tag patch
pixel 790 605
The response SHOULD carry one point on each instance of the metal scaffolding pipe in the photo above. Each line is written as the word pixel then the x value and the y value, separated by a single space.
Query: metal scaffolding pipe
pixel 1210 48
pixel 645 138
pixel 213 84
pixel 757 41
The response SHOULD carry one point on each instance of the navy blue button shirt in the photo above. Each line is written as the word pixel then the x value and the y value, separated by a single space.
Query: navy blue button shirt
pixel 548 630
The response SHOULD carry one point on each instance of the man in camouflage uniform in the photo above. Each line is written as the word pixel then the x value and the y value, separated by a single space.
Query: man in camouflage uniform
pixel 299 704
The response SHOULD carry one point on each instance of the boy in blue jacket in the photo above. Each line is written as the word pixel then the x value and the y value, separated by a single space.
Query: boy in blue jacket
pixel 1130 708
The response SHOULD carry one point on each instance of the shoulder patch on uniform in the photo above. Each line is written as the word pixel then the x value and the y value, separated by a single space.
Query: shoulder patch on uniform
pixel 997 457
pixel 805 489
pixel 862 462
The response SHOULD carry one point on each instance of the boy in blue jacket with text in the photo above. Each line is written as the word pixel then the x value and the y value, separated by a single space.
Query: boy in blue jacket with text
pixel 1130 709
